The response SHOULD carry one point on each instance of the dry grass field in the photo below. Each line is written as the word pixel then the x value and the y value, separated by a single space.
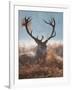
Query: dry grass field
pixel 48 65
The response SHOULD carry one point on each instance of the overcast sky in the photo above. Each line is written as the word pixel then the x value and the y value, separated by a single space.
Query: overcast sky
pixel 38 26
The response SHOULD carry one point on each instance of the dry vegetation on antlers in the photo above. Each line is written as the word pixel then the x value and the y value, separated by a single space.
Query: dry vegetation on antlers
pixel 49 65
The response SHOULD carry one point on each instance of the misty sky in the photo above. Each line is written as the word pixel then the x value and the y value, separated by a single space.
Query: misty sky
pixel 38 26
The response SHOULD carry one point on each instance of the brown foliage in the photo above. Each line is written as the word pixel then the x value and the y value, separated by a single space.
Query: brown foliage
pixel 49 65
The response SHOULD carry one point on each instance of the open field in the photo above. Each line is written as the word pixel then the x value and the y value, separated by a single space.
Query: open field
pixel 50 64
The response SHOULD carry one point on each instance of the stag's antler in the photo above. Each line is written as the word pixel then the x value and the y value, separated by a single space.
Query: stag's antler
pixel 25 23
pixel 52 24
pixel 40 42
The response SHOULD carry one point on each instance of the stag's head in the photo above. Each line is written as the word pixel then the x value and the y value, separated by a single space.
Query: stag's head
pixel 40 42
pixel 41 49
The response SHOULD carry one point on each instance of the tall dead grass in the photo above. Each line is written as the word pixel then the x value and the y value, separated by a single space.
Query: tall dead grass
pixel 49 65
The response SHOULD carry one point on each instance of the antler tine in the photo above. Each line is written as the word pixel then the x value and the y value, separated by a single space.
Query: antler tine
pixel 53 33
pixel 29 19
pixel 25 18
pixel 50 23
pixel 53 21
pixel 46 21
pixel 42 38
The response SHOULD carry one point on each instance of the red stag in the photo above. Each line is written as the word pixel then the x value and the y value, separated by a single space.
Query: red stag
pixel 42 44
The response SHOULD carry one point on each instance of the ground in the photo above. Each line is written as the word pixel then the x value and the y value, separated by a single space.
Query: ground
pixel 48 65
